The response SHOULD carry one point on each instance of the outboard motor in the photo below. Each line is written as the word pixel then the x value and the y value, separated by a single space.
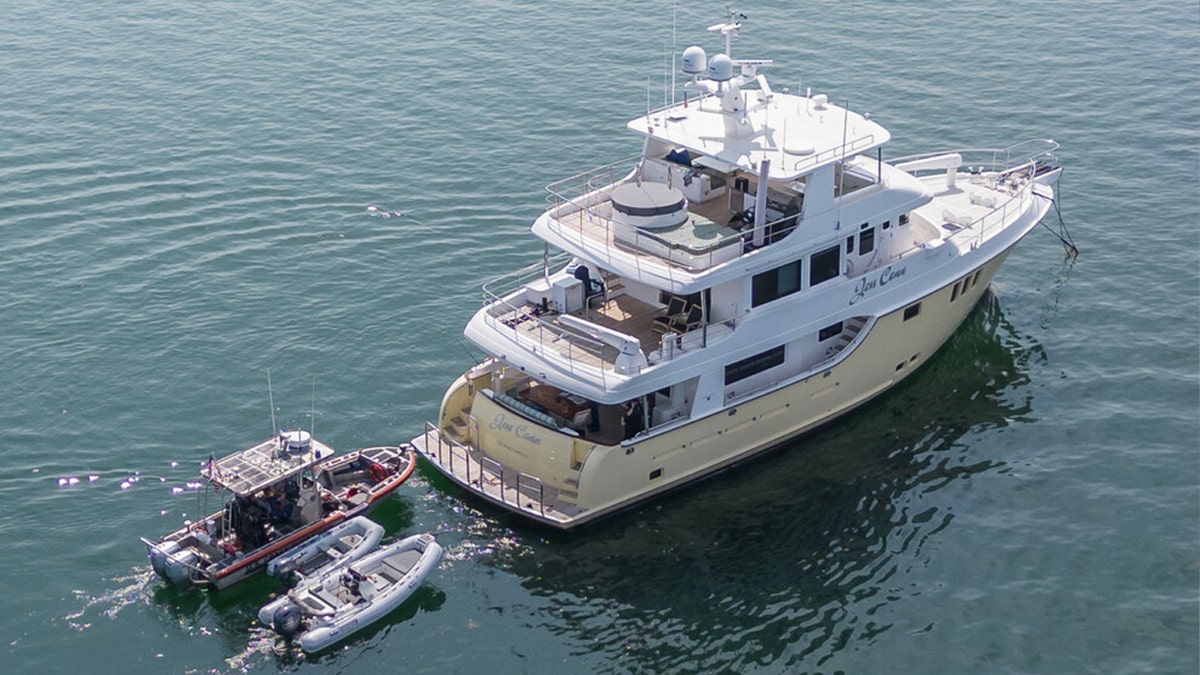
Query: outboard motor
pixel 286 620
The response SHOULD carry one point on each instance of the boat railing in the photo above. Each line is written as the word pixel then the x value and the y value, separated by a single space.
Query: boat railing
pixel 583 355
pixel 447 450
pixel 997 160
pixel 533 486
pixel 579 192
pixel 511 282
pixel 982 228
pixel 847 149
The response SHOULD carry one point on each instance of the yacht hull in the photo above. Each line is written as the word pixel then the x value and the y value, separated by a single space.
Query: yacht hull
pixel 618 477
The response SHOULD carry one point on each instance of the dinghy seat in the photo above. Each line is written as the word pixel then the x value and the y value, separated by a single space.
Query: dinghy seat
pixel 367 589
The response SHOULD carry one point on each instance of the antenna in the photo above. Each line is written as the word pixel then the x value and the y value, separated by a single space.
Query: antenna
pixel 312 425
pixel 674 17
pixel 271 400
pixel 647 101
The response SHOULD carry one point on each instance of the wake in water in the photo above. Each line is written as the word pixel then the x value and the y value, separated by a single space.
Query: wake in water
pixel 131 588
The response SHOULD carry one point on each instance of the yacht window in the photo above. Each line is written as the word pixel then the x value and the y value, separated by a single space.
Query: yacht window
pixel 975 278
pixel 903 220
pixel 911 311
pixel 849 244
pixel 954 293
pixel 740 370
pixel 887 224
pixel 775 283
pixel 829 331
pixel 866 241
pixel 824 265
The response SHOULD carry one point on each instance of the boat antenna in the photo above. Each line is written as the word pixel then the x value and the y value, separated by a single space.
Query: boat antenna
pixel 271 400
pixel 841 176
pixel 312 425
pixel 674 18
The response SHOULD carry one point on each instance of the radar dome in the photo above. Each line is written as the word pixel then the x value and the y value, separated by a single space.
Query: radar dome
pixel 695 61
pixel 720 68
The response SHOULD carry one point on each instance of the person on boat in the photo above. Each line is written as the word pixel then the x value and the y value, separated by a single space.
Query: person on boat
pixel 591 287
pixel 280 510
pixel 634 418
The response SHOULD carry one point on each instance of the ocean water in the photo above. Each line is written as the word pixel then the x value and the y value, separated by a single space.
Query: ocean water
pixel 184 193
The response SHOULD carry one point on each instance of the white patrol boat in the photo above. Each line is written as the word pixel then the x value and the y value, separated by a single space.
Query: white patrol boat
pixel 758 270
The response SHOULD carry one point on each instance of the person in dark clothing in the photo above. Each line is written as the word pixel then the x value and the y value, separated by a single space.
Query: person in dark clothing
pixel 591 286
pixel 634 418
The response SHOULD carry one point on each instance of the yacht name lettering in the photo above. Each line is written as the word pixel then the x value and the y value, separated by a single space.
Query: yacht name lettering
pixel 865 286
pixel 521 431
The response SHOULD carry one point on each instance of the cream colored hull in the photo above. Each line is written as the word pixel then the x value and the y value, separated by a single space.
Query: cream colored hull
pixel 565 481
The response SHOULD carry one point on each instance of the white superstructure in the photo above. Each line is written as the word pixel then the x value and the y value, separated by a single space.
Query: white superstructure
pixel 756 271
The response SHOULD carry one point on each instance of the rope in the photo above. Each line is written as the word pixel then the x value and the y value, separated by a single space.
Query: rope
pixel 1064 235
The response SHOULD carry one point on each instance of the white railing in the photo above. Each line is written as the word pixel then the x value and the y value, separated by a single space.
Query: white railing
pixel 447 450
pixel 1006 159
pixel 848 149
pixel 545 334
pixel 995 220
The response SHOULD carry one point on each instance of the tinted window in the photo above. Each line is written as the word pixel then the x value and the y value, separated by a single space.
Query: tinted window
pixel 824 265
pixel 740 370
pixel 866 241
pixel 829 331
pixel 774 284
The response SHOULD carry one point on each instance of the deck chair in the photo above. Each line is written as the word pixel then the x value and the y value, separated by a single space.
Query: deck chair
pixel 693 320
pixel 676 311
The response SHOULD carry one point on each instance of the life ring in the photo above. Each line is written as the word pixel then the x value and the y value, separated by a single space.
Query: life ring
pixel 378 473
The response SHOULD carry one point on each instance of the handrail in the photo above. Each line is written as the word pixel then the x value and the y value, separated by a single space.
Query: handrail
pixel 535 482
pixel 495 304
pixel 1017 154
pixel 558 194
pixel 845 150
pixel 976 230
pixel 498 472
pixel 448 445
pixel 532 484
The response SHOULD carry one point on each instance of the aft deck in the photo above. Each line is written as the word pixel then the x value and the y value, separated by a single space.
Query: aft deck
pixel 542 332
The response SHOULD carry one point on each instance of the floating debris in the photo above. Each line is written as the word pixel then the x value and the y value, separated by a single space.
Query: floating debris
pixel 376 212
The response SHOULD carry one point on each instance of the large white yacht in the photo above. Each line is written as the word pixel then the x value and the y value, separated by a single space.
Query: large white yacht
pixel 756 271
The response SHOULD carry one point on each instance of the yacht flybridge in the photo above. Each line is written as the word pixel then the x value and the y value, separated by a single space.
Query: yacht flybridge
pixel 755 272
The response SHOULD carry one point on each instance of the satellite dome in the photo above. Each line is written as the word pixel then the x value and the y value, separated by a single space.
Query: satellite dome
pixel 695 61
pixel 720 68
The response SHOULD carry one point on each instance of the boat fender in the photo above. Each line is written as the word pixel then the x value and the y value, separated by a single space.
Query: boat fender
pixel 378 473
